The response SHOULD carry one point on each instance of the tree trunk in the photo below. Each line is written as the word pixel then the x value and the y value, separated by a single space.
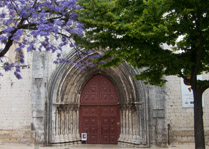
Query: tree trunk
pixel 198 120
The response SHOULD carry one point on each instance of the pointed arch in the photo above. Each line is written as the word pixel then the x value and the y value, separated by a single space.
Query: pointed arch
pixel 65 88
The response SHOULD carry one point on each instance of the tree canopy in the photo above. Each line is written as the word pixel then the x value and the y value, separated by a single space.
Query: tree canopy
pixel 159 37
pixel 35 25
pixel 138 31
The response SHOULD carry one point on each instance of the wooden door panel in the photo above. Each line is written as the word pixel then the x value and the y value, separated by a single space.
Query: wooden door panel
pixel 92 139
pixel 88 123
pixel 99 113
pixel 93 133
pixel 100 124
pixel 110 131
pixel 113 139
pixel 99 91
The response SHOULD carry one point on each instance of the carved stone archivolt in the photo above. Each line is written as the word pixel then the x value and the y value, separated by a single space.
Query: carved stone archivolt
pixel 65 87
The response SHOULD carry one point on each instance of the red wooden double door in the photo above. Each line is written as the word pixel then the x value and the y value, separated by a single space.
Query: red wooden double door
pixel 99 114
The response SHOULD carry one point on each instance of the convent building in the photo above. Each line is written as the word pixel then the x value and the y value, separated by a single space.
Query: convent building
pixel 61 103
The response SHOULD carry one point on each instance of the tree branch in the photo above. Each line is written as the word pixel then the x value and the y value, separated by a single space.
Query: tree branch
pixel 29 26
pixel 34 4
pixel 14 5
pixel 8 44
pixel 10 40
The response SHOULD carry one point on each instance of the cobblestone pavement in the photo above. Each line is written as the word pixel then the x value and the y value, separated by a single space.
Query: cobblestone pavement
pixel 83 146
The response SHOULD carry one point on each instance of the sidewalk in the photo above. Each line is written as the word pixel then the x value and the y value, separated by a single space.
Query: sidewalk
pixel 88 146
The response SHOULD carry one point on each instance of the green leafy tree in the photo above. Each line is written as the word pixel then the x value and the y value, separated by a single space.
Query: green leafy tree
pixel 136 31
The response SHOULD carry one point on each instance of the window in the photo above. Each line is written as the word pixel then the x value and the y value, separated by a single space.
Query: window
pixel 19 57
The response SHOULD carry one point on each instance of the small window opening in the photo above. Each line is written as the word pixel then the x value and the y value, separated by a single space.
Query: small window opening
pixel 19 57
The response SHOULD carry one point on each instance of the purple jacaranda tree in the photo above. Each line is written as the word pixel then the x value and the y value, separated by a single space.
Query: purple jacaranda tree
pixel 32 24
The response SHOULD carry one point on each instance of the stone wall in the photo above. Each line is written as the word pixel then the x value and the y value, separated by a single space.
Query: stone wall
pixel 179 118
pixel 15 106
pixel 157 115
pixel 22 102
pixel 23 106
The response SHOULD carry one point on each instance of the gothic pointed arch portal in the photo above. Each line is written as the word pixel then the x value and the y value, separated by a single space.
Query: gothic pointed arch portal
pixel 99 114
pixel 67 101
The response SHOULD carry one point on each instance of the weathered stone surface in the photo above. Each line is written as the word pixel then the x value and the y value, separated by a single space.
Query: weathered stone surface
pixel 16 136
pixel 30 108
pixel 65 90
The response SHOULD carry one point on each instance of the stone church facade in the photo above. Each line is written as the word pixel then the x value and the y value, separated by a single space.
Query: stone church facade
pixel 49 106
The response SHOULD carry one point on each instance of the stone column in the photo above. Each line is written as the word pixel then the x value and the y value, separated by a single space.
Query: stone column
pixel 132 115
pixel 62 139
pixel 70 124
pixel 138 129
pixel 55 127
pixel 74 124
pixel 121 125
pixel 130 124
pixel 136 138
pixel 126 124
pixel 78 138
pixel 65 123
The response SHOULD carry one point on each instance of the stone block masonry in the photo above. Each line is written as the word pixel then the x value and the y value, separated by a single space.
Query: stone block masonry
pixel 27 115
pixel 15 108
pixel 21 135
pixel 179 118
